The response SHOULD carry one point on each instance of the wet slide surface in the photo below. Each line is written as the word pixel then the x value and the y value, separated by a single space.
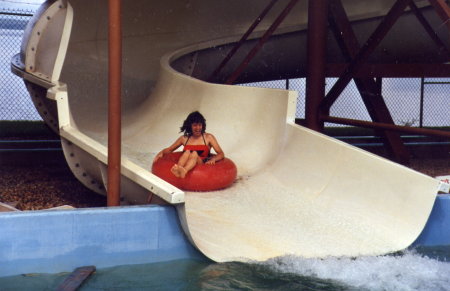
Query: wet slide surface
pixel 298 192
pixel 338 202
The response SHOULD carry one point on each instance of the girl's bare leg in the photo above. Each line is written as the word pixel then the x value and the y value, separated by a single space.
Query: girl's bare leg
pixel 181 162
pixel 184 158
pixel 175 171
pixel 190 164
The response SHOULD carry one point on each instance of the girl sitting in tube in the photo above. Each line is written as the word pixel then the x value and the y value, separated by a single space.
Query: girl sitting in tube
pixel 197 144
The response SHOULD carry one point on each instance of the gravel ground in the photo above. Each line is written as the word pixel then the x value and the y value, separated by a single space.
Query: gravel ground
pixel 41 187
pixel 431 167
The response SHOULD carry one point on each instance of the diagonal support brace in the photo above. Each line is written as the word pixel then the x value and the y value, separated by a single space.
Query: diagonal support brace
pixel 373 41
pixel 369 89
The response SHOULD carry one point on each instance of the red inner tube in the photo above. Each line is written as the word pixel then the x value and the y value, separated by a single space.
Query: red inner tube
pixel 201 178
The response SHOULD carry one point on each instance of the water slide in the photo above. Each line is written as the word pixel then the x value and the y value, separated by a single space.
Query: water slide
pixel 298 192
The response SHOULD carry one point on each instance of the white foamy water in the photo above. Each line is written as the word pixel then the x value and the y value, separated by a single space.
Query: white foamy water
pixel 410 271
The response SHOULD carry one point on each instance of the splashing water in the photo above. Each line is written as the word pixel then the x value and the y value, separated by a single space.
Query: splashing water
pixel 409 271
pixel 412 270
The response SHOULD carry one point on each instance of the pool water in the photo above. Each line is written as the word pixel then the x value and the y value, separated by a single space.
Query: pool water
pixel 418 269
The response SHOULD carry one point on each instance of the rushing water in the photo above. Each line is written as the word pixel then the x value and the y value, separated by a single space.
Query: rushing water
pixel 420 269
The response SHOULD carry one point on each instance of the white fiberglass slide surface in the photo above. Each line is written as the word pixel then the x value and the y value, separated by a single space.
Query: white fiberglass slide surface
pixel 319 198
pixel 298 192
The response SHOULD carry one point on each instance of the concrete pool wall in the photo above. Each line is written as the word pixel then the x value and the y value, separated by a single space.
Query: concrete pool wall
pixel 51 241
pixel 61 240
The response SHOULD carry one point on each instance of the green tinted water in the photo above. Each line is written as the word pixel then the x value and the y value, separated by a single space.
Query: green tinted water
pixel 421 269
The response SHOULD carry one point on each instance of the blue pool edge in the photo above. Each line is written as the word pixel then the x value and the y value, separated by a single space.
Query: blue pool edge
pixel 53 241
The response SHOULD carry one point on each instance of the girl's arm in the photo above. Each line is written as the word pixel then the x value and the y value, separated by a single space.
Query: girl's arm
pixel 219 152
pixel 169 149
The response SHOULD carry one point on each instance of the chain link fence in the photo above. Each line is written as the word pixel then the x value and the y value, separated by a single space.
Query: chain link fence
pixel 15 102
pixel 411 101
pixel 418 102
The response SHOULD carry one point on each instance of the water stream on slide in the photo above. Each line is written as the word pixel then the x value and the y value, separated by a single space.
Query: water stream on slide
pixel 418 269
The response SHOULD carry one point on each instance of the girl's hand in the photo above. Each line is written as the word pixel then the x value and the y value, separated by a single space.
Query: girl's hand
pixel 158 156
pixel 211 162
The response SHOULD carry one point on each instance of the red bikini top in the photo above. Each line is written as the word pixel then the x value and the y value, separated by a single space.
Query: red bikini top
pixel 201 149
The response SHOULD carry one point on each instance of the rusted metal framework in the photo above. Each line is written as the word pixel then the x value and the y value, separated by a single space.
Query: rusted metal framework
pixel 369 88
pixel 324 14
pixel 261 42
pixel 242 40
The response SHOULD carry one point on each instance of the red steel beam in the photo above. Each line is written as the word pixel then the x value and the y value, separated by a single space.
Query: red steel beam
pixel 369 89
pixel 379 112
pixel 416 70
pixel 428 28
pixel 387 126
pixel 114 96
pixel 442 10
pixel 316 51
pixel 242 40
pixel 373 41
pixel 261 42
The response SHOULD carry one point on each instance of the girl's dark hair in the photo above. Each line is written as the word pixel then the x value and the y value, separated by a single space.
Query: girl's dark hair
pixel 193 117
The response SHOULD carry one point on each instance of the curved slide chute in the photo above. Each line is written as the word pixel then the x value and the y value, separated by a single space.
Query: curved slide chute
pixel 298 192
